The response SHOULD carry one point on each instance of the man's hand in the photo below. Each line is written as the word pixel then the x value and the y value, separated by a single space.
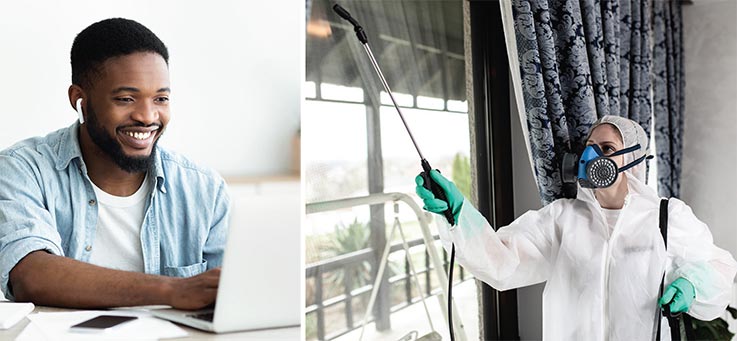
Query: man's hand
pixel 195 292
pixel 51 280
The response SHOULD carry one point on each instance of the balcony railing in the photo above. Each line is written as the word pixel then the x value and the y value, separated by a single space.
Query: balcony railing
pixel 345 263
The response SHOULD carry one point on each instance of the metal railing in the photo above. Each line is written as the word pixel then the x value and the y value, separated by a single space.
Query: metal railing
pixel 346 262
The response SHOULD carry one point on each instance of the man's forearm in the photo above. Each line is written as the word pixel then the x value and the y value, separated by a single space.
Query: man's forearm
pixel 51 280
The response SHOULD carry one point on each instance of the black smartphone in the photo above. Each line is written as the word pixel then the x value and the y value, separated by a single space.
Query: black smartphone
pixel 101 323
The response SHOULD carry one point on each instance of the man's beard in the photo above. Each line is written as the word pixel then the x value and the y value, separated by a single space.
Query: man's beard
pixel 110 146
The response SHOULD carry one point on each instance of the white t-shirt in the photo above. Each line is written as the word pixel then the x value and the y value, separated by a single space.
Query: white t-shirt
pixel 611 218
pixel 117 242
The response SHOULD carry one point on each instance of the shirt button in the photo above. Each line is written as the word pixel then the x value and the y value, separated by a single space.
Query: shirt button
pixel 88 248
pixel 92 202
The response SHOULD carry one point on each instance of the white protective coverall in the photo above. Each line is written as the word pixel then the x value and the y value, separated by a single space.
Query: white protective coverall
pixel 599 286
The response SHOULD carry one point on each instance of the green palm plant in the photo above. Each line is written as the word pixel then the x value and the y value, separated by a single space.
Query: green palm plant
pixel 353 237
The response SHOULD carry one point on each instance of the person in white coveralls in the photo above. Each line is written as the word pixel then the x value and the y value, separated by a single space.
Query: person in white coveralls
pixel 601 254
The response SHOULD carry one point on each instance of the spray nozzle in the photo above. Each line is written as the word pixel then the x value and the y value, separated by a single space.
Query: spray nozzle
pixel 356 26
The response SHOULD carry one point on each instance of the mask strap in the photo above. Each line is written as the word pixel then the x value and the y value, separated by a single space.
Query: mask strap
pixel 634 163
pixel 626 150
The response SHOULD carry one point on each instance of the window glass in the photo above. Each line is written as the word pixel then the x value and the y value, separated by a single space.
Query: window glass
pixel 354 145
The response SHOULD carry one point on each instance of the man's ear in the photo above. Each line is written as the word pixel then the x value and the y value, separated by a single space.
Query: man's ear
pixel 77 100
pixel 79 111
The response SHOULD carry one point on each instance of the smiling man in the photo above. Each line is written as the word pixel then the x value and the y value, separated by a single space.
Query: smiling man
pixel 97 214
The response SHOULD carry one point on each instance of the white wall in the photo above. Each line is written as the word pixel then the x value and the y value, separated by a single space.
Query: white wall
pixel 710 124
pixel 236 72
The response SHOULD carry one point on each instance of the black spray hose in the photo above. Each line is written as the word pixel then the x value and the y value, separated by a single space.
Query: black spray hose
pixel 450 291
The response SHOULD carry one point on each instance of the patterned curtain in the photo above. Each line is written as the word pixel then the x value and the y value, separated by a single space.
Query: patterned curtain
pixel 579 60
pixel 668 90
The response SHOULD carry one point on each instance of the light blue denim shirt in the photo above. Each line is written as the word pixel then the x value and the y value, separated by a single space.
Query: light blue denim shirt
pixel 47 203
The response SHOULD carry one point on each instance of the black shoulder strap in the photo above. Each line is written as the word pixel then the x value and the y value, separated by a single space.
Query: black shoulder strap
pixel 664 221
pixel 673 321
pixel 664 232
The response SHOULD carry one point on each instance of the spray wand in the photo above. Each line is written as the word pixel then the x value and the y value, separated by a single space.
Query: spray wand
pixel 426 168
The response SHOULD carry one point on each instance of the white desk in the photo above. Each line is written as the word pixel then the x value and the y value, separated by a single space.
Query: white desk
pixel 194 334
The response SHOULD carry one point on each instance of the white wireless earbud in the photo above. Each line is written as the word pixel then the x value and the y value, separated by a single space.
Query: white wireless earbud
pixel 79 111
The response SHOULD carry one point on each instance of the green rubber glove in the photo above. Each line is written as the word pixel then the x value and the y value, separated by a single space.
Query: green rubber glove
pixel 679 295
pixel 434 205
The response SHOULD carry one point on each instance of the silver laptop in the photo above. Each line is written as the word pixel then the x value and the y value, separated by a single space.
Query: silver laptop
pixel 261 274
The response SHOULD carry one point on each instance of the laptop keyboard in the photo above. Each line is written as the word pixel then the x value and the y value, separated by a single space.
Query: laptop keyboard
pixel 206 316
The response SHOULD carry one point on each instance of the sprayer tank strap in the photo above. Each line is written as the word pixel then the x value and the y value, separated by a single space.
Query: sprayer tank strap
pixel 673 321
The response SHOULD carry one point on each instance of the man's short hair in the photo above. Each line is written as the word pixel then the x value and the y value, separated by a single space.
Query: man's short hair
pixel 107 39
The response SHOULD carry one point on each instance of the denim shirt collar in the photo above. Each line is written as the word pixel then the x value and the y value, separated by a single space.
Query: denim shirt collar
pixel 69 150
pixel 68 147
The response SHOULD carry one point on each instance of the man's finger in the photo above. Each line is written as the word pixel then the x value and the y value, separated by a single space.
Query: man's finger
pixel 212 282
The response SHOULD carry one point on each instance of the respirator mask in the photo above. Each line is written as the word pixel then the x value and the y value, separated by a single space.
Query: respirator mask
pixel 594 170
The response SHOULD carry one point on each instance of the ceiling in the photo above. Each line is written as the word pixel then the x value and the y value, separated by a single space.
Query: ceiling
pixel 417 44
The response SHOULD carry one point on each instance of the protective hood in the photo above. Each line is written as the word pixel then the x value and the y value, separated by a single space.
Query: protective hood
pixel 632 134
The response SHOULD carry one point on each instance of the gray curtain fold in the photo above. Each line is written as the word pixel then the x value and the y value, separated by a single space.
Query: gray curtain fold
pixel 668 94
pixel 580 60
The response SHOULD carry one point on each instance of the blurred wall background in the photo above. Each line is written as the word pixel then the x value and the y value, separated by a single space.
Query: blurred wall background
pixel 236 74
pixel 710 122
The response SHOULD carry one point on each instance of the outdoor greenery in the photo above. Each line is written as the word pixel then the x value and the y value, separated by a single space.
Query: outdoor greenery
pixel 462 174
pixel 354 236
pixel 310 326
pixel 346 239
